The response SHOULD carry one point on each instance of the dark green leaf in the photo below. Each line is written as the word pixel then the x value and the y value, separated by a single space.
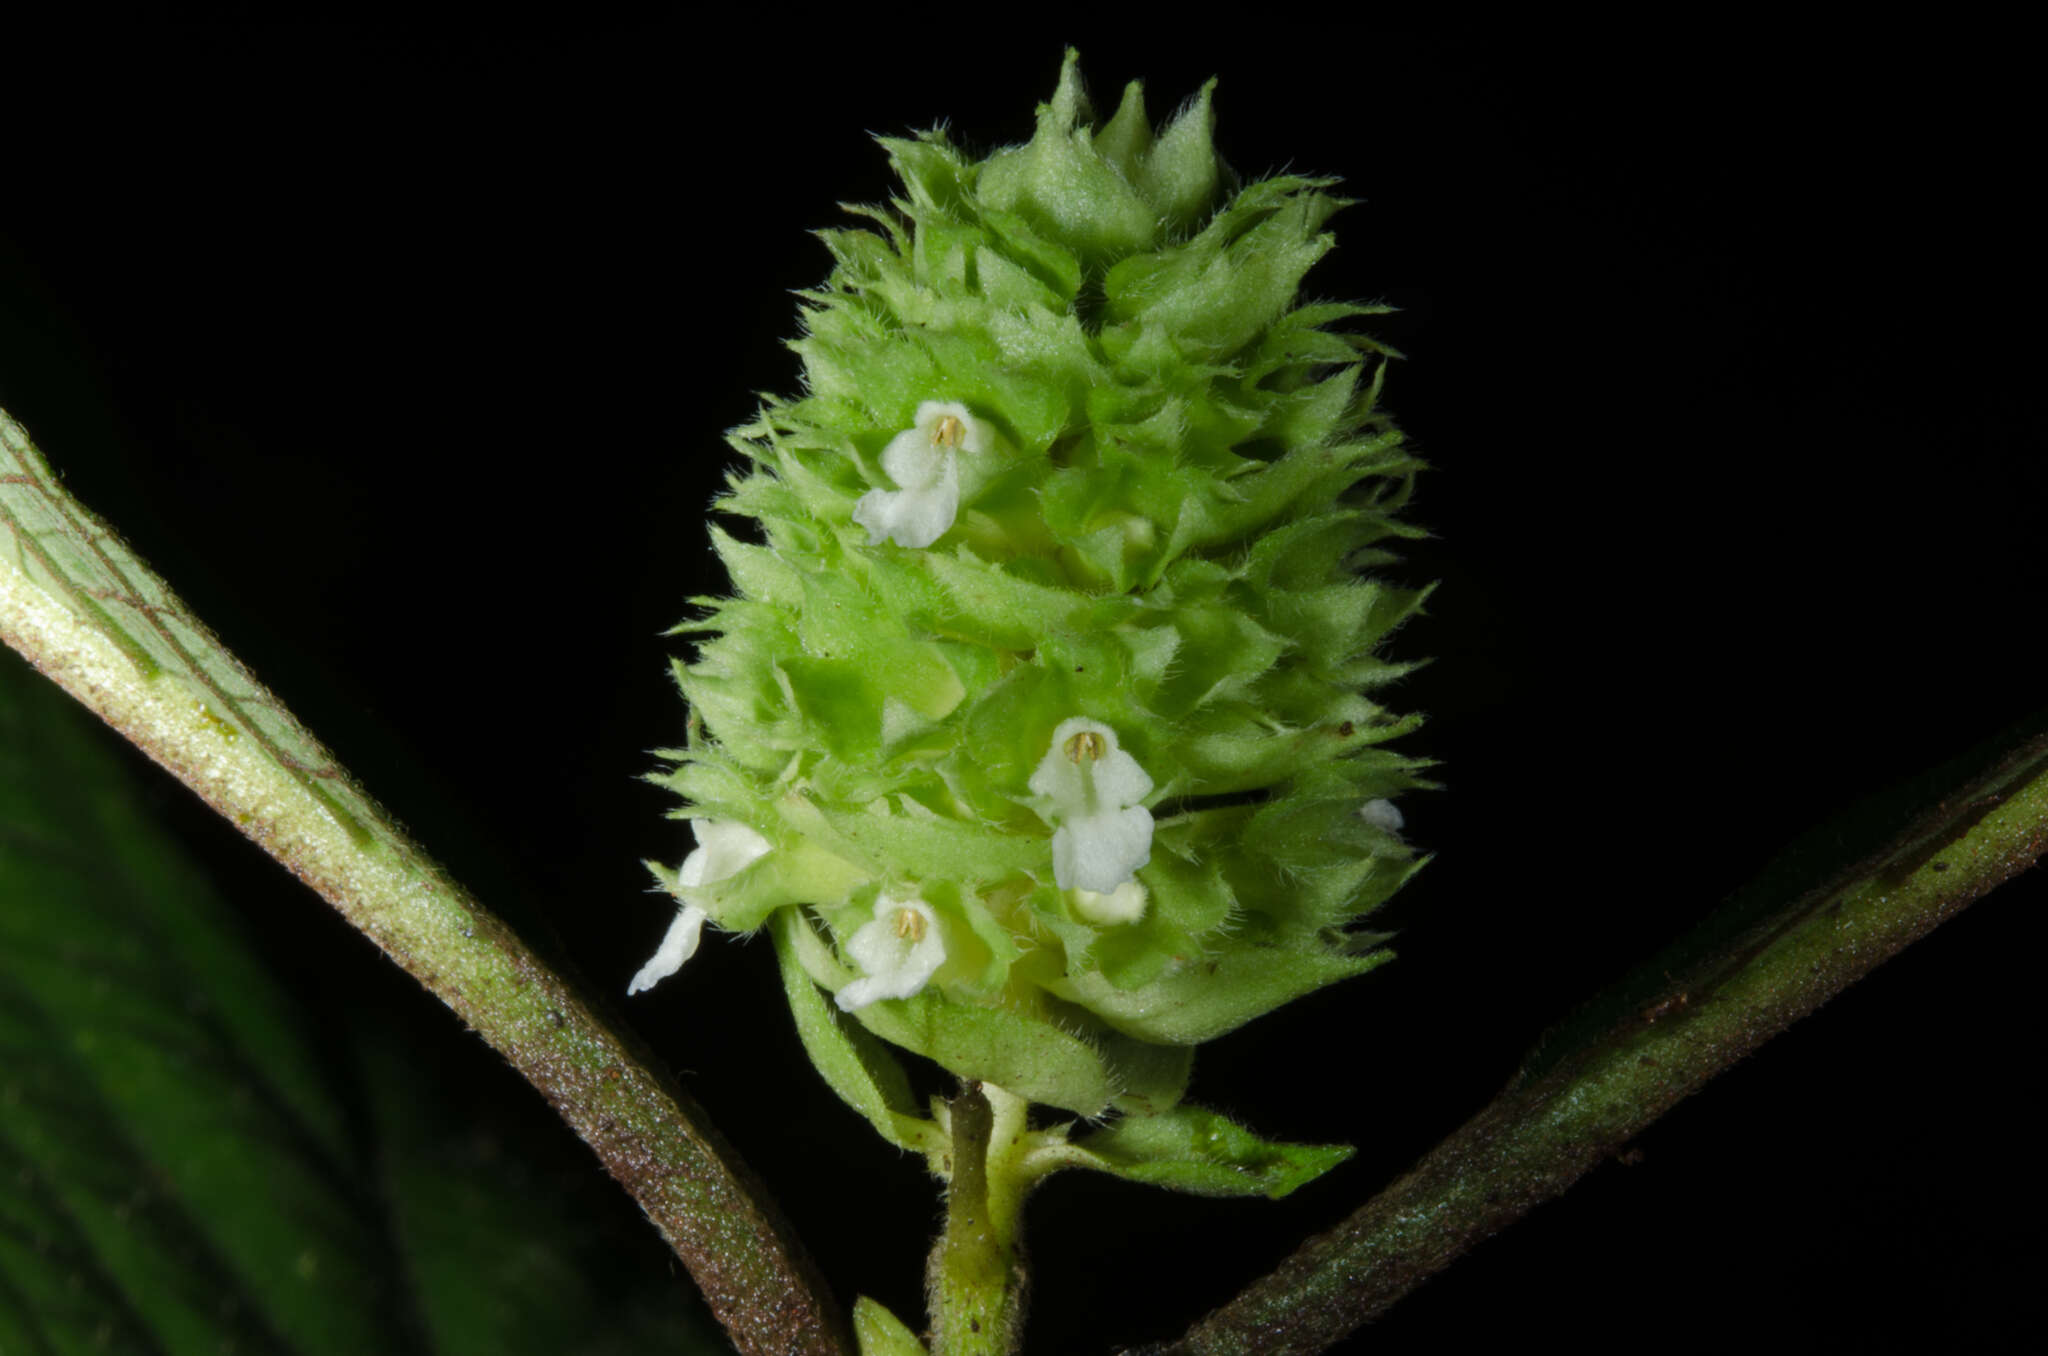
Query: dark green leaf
pixel 177 1175
pixel 163 1132
pixel 491 1207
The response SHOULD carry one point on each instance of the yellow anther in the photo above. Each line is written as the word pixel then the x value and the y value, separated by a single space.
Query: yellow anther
pixel 1087 746
pixel 948 431
pixel 910 925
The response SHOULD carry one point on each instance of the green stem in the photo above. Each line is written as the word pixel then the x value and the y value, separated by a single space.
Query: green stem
pixel 1754 968
pixel 89 614
pixel 977 1276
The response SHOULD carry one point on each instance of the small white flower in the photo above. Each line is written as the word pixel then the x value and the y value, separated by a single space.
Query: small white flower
pixel 923 461
pixel 1125 904
pixel 900 950
pixel 1101 835
pixel 725 847
pixel 1382 814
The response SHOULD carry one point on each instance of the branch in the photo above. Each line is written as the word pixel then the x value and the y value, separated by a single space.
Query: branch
pixel 94 619
pixel 1750 971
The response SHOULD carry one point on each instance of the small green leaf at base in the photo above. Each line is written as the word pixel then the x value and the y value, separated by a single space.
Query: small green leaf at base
pixel 1198 1151
pixel 881 1333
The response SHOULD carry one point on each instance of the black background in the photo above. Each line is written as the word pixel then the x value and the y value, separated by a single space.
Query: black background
pixel 404 354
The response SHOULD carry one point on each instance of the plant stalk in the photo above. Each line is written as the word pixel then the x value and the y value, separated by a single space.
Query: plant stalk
pixel 977 1277
pixel 1750 971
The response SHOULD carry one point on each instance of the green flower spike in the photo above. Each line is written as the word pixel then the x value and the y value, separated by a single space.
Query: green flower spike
pixel 1042 693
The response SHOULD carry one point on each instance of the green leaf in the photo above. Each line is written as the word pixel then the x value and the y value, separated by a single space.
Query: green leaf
pixel 498 1217
pixel 1842 900
pixel 160 1123
pixel 63 549
pixel 175 1172
pixel 881 1333
pixel 1195 1150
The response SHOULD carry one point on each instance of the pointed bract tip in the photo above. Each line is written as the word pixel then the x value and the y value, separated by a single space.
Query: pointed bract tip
pixel 1069 106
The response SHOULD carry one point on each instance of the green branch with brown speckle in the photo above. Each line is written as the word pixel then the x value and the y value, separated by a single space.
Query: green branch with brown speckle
pixel 95 619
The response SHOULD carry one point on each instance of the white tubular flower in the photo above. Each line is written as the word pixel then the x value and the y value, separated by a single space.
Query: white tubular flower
pixel 1101 835
pixel 923 461
pixel 678 946
pixel 1125 904
pixel 725 847
pixel 1382 814
pixel 901 950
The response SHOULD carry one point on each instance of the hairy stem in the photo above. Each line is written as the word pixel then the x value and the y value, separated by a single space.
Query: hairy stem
pixel 1744 976
pixel 94 619
pixel 977 1276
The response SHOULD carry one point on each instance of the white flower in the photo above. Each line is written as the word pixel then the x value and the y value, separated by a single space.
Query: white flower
pixel 1100 832
pixel 923 462
pixel 725 847
pixel 1382 814
pixel 900 951
pixel 1125 904
pixel 676 947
